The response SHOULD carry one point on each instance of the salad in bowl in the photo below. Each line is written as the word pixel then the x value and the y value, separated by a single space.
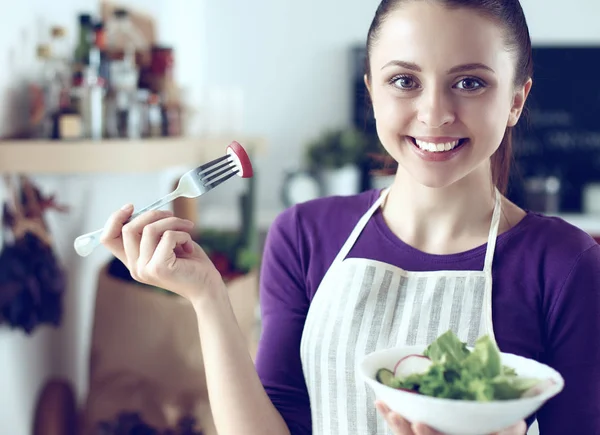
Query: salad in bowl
pixel 457 389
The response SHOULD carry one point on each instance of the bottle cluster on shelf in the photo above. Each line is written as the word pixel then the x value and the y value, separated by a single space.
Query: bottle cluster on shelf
pixel 113 84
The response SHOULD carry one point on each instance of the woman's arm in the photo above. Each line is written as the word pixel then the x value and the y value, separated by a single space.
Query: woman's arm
pixel 239 403
pixel 276 400
pixel 158 250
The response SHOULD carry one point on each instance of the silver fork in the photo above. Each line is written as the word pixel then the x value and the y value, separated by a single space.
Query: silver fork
pixel 192 184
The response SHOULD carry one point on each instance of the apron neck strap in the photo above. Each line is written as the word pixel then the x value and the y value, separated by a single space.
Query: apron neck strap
pixel 362 223
pixel 493 235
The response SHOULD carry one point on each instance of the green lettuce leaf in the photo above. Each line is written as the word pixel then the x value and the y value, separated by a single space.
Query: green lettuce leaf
pixel 447 348
pixel 458 373
pixel 484 359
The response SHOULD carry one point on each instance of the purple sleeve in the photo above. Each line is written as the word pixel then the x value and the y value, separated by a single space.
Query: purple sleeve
pixel 284 305
pixel 573 348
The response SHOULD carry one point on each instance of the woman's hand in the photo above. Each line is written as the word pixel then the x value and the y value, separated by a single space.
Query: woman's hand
pixel 400 426
pixel 158 250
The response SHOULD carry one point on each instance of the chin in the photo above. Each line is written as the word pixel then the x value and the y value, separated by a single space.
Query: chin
pixel 434 180
pixel 436 183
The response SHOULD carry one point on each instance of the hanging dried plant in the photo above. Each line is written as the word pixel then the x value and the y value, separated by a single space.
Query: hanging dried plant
pixel 32 282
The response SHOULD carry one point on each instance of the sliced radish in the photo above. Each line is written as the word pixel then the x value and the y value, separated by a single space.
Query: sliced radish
pixel 412 364
pixel 241 159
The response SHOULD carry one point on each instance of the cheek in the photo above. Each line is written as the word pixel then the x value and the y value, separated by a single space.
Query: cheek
pixel 488 114
pixel 390 111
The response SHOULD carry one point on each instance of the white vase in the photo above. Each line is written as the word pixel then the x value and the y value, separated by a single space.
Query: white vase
pixel 342 181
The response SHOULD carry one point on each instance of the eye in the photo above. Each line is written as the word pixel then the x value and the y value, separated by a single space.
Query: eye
pixel 470 84
pixel 405 83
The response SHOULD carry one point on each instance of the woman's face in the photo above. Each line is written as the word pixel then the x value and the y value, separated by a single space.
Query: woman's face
pixel 442 79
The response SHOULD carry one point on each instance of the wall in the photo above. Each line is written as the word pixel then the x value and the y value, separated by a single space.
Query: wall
pixel 290 61
pixel 26 362
pixel 550 22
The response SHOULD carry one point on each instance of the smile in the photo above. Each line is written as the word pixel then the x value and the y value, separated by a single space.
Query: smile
pixel 438 147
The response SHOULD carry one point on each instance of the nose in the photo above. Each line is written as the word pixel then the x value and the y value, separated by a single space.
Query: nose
pixel 435 108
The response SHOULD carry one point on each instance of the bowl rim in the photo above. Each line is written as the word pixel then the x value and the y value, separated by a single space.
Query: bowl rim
pixel 545 395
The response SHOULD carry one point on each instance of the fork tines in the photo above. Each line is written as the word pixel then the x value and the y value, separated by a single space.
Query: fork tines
pixel 217 171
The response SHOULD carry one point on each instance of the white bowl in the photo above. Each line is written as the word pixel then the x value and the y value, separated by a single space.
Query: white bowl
pixel 459 417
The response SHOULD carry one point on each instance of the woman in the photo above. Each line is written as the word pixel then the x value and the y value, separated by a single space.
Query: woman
pixel 441 249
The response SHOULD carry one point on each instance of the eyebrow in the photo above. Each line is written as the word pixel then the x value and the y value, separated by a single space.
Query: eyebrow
pixel 456 69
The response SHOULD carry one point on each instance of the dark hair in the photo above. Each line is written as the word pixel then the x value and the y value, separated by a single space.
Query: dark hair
pixel 508 14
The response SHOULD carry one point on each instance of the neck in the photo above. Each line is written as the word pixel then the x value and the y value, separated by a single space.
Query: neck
pixel 441 220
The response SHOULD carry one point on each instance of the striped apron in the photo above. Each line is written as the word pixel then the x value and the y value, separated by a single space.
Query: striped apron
pixel 363 305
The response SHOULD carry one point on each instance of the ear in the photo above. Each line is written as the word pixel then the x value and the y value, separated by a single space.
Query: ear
pixel 518 103
pixel 368 86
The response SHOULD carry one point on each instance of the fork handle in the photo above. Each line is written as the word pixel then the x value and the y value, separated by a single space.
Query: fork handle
pixel 85 244
pixel 157 204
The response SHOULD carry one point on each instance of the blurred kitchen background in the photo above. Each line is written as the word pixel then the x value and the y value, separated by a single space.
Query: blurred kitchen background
pixel 108 103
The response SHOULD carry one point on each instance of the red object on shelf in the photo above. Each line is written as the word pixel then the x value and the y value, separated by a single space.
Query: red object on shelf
pixel 221 262
pixel 162 60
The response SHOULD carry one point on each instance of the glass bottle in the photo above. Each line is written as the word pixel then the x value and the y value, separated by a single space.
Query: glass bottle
pixel 84 41
pixel 124 41
pixel 100 45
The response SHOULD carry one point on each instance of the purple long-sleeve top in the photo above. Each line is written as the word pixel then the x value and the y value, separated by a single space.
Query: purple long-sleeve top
pixel 545 300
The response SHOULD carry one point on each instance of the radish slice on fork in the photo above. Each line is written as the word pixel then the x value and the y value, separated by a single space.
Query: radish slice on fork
pixel 241 159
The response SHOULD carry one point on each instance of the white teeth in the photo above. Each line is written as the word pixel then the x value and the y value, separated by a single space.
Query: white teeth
pixel 436 148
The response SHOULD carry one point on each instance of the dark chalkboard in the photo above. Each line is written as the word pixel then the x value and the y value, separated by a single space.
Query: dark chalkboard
pixel 560 134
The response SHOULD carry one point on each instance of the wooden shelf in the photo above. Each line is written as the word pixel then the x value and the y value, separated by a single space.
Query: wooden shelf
pixel 115 156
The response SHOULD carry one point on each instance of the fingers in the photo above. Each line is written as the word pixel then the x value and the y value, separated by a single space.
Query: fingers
pixel 397 424
pixel 132 234
pixel 421 429
pixel 400 426
pixel 152 234
pixel 163 261
pixel 111 236
pixel 518 429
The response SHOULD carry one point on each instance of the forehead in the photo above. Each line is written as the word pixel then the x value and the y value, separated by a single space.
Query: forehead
pixel 429 34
